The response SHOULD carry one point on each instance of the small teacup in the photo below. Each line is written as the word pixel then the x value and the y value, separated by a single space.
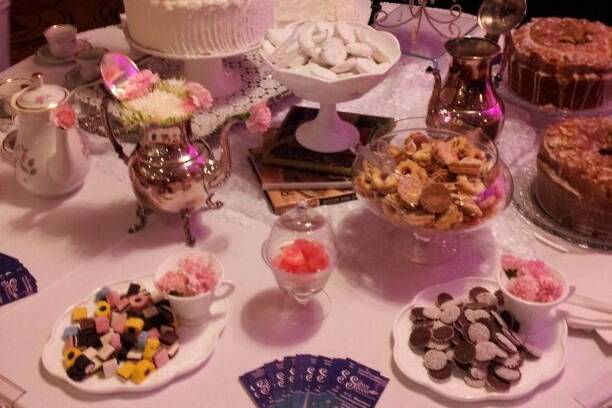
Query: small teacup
pixel 195 310
pixel 10 87
pixel 533 316
pixel 62 40
pixel 89 61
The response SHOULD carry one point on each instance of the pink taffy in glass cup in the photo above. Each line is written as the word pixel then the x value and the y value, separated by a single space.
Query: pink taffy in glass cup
pixel 192 281
pixel 531 291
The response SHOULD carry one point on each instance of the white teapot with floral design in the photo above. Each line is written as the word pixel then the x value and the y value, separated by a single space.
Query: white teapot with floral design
pixel 51 159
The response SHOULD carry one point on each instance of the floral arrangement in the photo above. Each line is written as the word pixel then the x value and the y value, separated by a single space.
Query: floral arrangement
pixel 148 100
pixel 193 276
pixel 63 116
pixel 531 280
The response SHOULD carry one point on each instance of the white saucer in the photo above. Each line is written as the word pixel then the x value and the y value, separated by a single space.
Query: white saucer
pixel 43 54
pixel 552 340
pixel 196 346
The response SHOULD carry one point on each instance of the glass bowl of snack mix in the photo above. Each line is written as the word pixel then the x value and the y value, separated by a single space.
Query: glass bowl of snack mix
pixel 434 183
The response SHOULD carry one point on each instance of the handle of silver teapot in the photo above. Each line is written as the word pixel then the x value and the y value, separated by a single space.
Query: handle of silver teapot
pixel 109 131
pixel 499 76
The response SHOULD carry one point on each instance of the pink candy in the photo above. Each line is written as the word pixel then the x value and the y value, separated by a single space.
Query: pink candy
pixel 192 277
pixel 154 333
pixel 116 341
pixel 161 358
pixel 531 280
pixel 118 322
pixel 102 324
pixel 112 297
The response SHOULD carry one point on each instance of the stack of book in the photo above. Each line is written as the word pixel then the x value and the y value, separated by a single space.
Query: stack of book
pixel 290 173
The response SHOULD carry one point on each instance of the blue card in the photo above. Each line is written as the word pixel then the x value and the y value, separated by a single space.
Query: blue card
pixel 357 386
pixel 16 281
pixel 258 387
pixel 276 376
pixel 289 369
pixel 319 383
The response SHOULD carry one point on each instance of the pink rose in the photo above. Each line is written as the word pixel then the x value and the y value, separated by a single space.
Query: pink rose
pixel 525 287
pixel 139 85
pixel 260 118
pixel 63 116
pixel 199 96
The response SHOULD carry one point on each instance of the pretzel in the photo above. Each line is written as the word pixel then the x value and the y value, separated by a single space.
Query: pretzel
pixel 411 167
pixel 385 183
pixel 449 219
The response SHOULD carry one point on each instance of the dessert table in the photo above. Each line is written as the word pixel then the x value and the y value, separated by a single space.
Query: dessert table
pixel 77 243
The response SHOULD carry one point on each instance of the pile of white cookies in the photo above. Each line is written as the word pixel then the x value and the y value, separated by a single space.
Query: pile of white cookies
pixel 329 51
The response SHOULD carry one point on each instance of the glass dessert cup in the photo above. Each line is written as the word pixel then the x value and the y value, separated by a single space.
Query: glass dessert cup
pixel 426 244
pixel 305 301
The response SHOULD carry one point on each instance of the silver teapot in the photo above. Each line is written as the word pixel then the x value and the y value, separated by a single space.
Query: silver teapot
pixel 169 169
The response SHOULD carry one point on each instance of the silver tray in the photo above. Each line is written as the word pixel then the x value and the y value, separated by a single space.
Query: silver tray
pixel 525 200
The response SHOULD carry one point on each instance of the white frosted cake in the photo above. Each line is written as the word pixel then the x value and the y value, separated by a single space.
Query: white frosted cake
pixel 198 27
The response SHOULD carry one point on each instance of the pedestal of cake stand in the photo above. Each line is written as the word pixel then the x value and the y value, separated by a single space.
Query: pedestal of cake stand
pixel 207 70
pixel 213 75
pixel 327 133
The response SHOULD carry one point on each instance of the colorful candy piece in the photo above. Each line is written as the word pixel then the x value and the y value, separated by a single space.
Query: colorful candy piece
pixel 150 311
pixel 83 363
pixel 106 352
pixel 90 352
pixel 70 356
pixel 134 354
pixel 88 325
pixel 112 297
pixel 107 337
pixel 96 364
pixel 103 308
pixel 102 324
pixel 173 349
pixel 139 302
pixel 118 322
pixel 133 289
pixel 156 296
pixel 69 343
pixel 142 340
pixel 109 368
pixel 161 358
pixel 116 341
pixel 75 373
pixel 122 304
pixel 153 333
pixel 143 369
pixel 168 338
pixel 69 332
pixel 126 370
pixel 79 313
pixel 101 295
pixel 134 325
pixel 150 349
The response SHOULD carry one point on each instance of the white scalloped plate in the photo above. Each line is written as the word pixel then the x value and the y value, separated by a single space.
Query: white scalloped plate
pixel 534 372
pixel 196 346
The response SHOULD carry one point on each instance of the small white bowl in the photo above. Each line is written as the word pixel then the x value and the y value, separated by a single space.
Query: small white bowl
pixel 533 316
pixel 195 310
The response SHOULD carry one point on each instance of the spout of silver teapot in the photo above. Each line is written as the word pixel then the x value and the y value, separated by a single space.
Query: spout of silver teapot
pixel 435 94
pixel 224 168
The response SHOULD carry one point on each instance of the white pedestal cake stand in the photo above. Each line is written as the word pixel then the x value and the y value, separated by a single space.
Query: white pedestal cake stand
pixel 207 70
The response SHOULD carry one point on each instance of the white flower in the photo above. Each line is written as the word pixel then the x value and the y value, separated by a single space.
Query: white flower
pixel 156 107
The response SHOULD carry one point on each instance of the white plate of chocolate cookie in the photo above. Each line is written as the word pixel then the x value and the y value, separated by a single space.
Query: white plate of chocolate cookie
pixel 458 340
pixel 124 337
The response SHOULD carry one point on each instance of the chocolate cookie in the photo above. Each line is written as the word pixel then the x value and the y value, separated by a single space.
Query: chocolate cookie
pixel 441 375
pixel 475 291
pixel 416 314
pixel 420 337
pixel 434 360
pixel 486 351
pixel 432 313
pixel 443 334
pixel 479 373
pixel 496 383
pixel 473 382
pixel 498 319
pixel 450 314
pixel 435 198
pixel 434 345
pixel 513 361
pixel 443 298
pixel 505 343
pixel 507 374
pixel 487 298
pixel 514 338
pixel 500 297
pixel 464 353
pixel 478 333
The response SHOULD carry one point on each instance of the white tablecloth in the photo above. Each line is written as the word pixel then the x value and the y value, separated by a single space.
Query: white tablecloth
pixel 75 244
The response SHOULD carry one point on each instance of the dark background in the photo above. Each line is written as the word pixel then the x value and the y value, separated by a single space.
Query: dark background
pixel 30 17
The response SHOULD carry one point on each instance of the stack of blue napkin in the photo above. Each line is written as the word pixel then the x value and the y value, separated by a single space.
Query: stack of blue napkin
pixel 16 281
